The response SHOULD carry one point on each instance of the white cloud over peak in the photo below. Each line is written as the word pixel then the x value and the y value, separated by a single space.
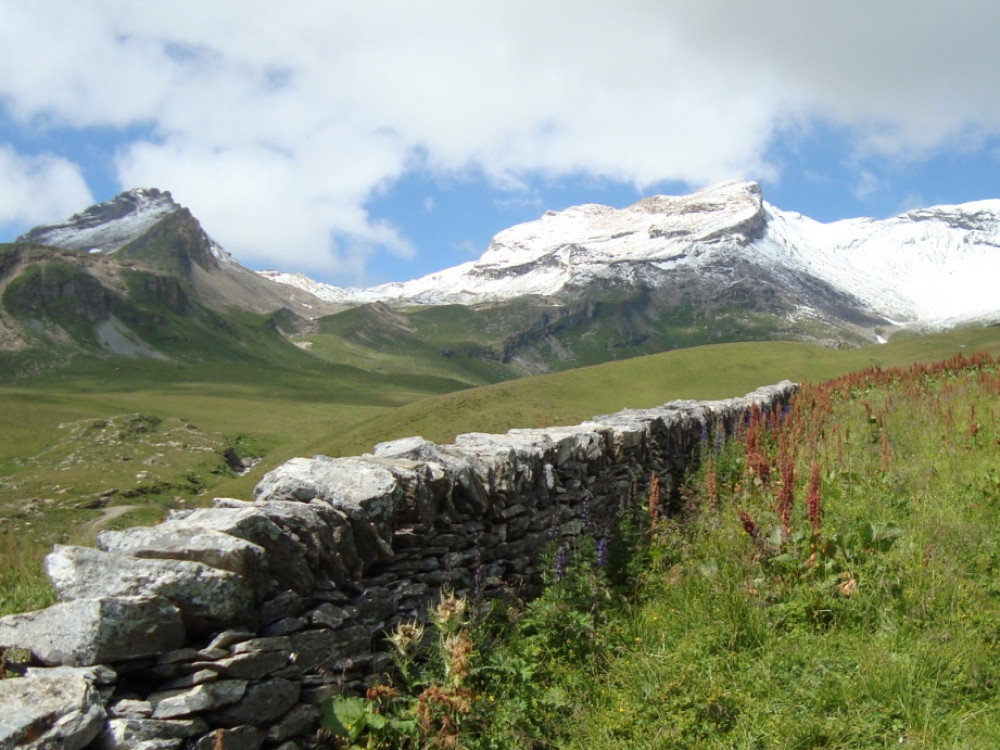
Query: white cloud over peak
pixel 277 122
pixel 36 189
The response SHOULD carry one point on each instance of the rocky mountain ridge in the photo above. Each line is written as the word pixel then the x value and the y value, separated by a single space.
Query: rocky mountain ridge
pixel 927 267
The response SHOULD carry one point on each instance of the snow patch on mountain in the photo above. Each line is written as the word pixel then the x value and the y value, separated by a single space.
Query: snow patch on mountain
pixel 109 226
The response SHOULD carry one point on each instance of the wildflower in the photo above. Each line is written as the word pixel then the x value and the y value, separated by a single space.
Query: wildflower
pixel 585 511
pixel 448 614
pixel 458 649
pixel 602 552
pixel 561 562
pixel 406 636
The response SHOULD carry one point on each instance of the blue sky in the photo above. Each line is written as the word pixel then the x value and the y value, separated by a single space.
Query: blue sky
pixel 364 142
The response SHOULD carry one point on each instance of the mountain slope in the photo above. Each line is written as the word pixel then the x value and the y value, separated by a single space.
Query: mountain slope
pixel 137 277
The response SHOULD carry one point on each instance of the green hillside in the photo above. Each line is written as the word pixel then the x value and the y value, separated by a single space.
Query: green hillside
pixel 706 372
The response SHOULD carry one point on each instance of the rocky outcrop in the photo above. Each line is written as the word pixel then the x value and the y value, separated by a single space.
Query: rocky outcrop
pixel 230 626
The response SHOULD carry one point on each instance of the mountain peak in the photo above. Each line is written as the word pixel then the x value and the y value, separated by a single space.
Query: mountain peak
pixel 109 226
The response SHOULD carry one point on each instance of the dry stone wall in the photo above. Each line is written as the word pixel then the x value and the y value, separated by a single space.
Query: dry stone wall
pixel 229 626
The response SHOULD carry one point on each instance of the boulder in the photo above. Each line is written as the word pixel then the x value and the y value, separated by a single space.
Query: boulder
pixel 94 631
pixel 51 711
pixel 208 598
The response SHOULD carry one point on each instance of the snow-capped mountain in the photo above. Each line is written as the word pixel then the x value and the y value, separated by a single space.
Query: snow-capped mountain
pixel 928 267
pixel 148 229
pixel 108 227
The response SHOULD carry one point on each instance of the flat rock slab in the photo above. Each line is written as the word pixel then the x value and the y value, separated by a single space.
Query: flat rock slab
pixel 179 541
pixel 172 704
pixel 149 734
pixel 51 711
pixel 95 631
pixel 207 597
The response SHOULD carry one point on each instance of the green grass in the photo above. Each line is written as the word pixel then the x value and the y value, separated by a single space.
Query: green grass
pixel 866 616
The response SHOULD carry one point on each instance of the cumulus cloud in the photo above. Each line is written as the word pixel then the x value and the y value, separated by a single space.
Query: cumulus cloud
pixel 40 188
pixel 278 122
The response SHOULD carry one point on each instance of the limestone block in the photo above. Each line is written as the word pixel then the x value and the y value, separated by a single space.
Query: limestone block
pixel 207 597
pixel 285 554
pixel 180 541
pixel 149 734
pixel 50 711
pixel 96 630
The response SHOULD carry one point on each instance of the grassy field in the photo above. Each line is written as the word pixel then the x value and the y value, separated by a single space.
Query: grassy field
pixel 833 581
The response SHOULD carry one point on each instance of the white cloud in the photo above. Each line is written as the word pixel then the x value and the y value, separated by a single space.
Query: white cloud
pixel 277 122
pixel 38 189
pixel 867 185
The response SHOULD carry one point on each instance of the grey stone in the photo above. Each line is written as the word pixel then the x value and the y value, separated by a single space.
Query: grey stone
pixel 180 540
pixel 171 704
pixel 329 615
pixel 95 630
pixel 252 665
pixel 262 703
pixel 302 719
pixel 199 677
pixel 97 674
pixel 285 604
pixel 149 734
pixel 207 597
pixel 274 643
pixel 50 711
pixel 284 627
pixel 228 638
pixel 286 557
pixel 316 648
pixel 130 708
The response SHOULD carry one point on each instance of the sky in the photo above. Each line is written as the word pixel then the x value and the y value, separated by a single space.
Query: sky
pixel 366 141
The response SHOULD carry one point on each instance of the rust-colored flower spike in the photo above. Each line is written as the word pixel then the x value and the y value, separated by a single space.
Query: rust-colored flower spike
pixel 459 657
pixel 711 485
pixel 654 497
pixel 814 503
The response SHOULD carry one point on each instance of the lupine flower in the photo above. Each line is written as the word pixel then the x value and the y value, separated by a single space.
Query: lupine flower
pixel 602 552
pixel 561 562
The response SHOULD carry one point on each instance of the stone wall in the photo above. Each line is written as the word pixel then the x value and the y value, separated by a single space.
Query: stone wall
pixel 229 626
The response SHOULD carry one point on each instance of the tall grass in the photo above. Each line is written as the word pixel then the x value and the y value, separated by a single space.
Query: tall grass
pixel 833 580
